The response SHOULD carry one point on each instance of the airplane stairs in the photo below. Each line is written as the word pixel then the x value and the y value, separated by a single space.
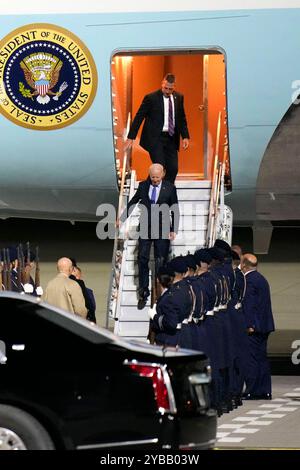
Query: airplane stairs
pixel 194 200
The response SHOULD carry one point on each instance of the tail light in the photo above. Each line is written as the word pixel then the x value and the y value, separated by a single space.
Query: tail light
pixel 162 387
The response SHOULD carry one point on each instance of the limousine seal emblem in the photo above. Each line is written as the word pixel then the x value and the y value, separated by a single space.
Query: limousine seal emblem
pixel 48 78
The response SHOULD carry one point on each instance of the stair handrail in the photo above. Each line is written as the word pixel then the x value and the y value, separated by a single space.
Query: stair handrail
pixel 118 239
pixel 224 217
pixel 216 204
pixel 213 204
pixel 222 190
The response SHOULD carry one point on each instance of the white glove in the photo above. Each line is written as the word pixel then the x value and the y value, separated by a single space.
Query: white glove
pixel 39 291
pixel 152 311
pixel 28 288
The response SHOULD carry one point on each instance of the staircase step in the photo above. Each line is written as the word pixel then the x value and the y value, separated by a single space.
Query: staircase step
pixel 130 298
pixel 194 199
pixel 190 238
pixel 130 282
pixel 202 184
pixel 184 250
pixel 194 207
pixel 133 328
pixel 131 313
pixel 185 221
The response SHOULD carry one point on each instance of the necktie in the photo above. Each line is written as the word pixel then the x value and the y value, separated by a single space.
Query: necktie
pixel 153 195
pixel 171 120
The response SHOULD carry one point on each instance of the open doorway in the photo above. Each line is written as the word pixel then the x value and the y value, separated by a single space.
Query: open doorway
pixel 201 78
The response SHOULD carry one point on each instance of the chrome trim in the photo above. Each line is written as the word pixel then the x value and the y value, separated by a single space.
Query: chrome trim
pixel 171 396
pixel 167 382
pixel 9 440
pixel 204 445
pixel 117 444
pixel 200 378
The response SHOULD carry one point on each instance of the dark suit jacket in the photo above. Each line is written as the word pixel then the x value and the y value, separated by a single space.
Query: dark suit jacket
pixel 152 110
pixel 87 299
pixel 167 197
pixel 257 303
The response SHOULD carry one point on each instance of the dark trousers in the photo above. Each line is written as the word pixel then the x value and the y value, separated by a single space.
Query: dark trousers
pixel 258 375
pixel 165 153
pixel 161 251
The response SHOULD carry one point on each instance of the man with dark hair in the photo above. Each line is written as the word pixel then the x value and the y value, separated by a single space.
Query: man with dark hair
pixel 87 293
pixel 165 122
pixel 259 323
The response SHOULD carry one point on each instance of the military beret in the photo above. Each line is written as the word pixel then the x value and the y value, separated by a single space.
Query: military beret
pixel 202 255
pixel 178 264
pixel 222 245
pixel 191 262
pixel 216 253
pixel 165 270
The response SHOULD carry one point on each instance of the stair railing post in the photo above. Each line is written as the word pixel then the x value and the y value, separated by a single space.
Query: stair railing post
pixel 114 268
pixel 212 205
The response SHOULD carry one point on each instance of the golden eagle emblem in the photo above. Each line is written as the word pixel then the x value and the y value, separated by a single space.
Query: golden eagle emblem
pixel 41 71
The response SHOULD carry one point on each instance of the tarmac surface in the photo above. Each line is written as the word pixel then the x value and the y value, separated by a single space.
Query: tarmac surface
pixel 264 424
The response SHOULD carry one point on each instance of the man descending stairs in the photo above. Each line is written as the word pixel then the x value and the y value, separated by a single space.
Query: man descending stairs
pixel 193 199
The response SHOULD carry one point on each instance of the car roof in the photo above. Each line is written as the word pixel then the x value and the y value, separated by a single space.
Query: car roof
pixel 81 327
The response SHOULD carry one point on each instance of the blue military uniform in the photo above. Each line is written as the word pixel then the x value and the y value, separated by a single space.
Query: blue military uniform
pixel 173 309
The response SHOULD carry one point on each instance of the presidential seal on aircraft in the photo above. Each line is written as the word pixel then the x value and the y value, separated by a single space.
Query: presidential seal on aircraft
pixel 48 77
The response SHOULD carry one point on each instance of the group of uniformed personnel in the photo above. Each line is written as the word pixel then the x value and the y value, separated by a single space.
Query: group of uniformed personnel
pixel 201 308
pixel 16 267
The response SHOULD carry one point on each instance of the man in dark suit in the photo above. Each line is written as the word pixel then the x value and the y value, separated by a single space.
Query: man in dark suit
pixel 159 221
pixel 165 122
pixel 259 323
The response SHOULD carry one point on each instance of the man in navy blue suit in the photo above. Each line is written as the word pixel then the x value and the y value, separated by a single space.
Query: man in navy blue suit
pixel 159 222
pixel 165 121
pixel 260 323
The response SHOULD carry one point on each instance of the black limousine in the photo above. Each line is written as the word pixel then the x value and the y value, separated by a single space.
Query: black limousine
pixel 67 384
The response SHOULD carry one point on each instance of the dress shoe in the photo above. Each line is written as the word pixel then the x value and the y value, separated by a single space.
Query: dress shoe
pixel 238 401
pixel 143 293
pixel 141 303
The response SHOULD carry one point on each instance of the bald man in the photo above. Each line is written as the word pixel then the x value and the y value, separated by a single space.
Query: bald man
pixel 159 221
pixel 259 323
pixel 65 293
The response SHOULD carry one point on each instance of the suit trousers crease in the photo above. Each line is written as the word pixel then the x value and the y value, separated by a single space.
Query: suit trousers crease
pixel 165 153
pixel 161 251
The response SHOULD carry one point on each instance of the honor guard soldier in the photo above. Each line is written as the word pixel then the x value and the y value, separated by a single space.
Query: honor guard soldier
pixel 172 308
pixel 219 274
pixel 210 326
pixel 242 358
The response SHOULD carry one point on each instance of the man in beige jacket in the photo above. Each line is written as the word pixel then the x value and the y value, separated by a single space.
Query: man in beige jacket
pixel 64 293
